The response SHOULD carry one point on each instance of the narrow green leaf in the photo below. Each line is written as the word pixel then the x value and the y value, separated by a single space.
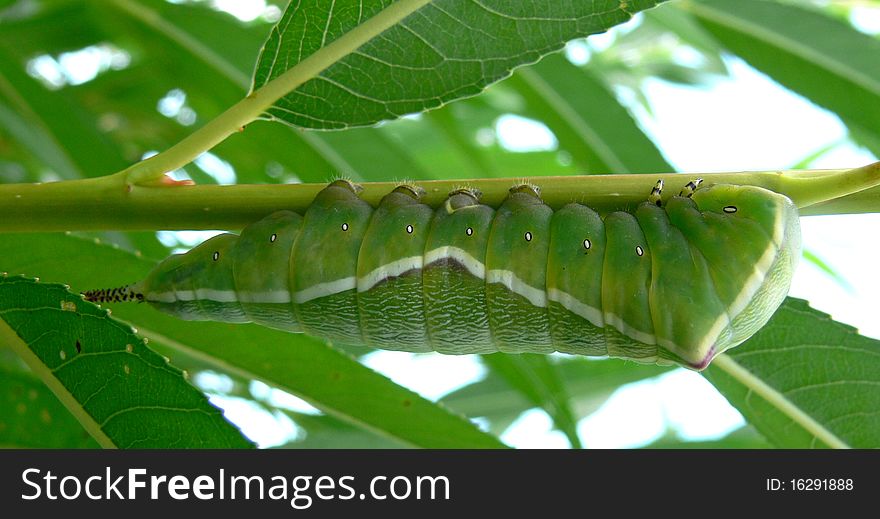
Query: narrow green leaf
pixel 445 120
pixel 537 379
pixel 827 269
pixel 363 155
pixel 807 161
pixel 745 437
pixel 870 138
pixel 817 56
pixel 443 51
pixel 327 432
pixel 309 368
pixel 373 156
pixel 318 373
pixel 589 122
pixel 230 46
pixel 805 381
pixel 72 132
pixel 34 137
pixel 588 383
pixel 121 392
pixel 681 23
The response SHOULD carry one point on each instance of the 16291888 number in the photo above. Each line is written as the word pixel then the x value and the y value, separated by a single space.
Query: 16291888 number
pixel 806 484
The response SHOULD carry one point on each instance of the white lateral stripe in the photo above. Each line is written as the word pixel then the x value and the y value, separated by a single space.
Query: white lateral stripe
pixel 742 300
pixel 575 306
pixel 514 284
pixel 160 297
pixel 325 289
pixel 270 296
pixel 474 266
pixel 393 269
pixel 219 296
pixel 756 279
pixel 706 343
pixel 199 294
pixel 210 294
pixel 535 296
pixel 621 326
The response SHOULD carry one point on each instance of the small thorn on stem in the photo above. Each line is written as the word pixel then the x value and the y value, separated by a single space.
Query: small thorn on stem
pixel 166 180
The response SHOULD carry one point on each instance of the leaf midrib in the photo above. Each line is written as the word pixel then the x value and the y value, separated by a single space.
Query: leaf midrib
pixel 778 400
pixel 88 422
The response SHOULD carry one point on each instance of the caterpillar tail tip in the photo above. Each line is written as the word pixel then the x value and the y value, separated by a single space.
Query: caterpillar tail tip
pixel 113 295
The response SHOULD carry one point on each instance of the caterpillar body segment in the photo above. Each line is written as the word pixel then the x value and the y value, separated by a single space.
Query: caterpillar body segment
pixel 677 282
pixel 389 274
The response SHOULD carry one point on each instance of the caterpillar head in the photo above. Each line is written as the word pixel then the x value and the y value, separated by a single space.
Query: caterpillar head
pixel 756 203
pixel 765 287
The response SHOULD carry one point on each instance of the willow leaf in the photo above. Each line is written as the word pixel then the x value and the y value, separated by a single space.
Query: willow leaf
pixel 805 381
pixel 540 381
pixel 434 53
pixel 120 391
pixel 817 56
pixel 309 368
pixel 588 383
pixel 589 122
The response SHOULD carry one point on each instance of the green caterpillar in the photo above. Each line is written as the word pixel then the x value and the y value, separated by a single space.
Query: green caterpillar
pixel 678 283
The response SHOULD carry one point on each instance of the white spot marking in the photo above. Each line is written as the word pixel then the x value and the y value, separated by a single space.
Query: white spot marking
pixel 345 227
pixel 587 244
pixel 469 231
pixel 216 255
pixel 730 209
pixel 639 250
pixel 409 229
pixel 528 236
pixel 273 238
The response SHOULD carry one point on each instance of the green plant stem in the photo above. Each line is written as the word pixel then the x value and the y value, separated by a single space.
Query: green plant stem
pixel 187 43
pixel 239 115
pixel 110 203
pixel 778 400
